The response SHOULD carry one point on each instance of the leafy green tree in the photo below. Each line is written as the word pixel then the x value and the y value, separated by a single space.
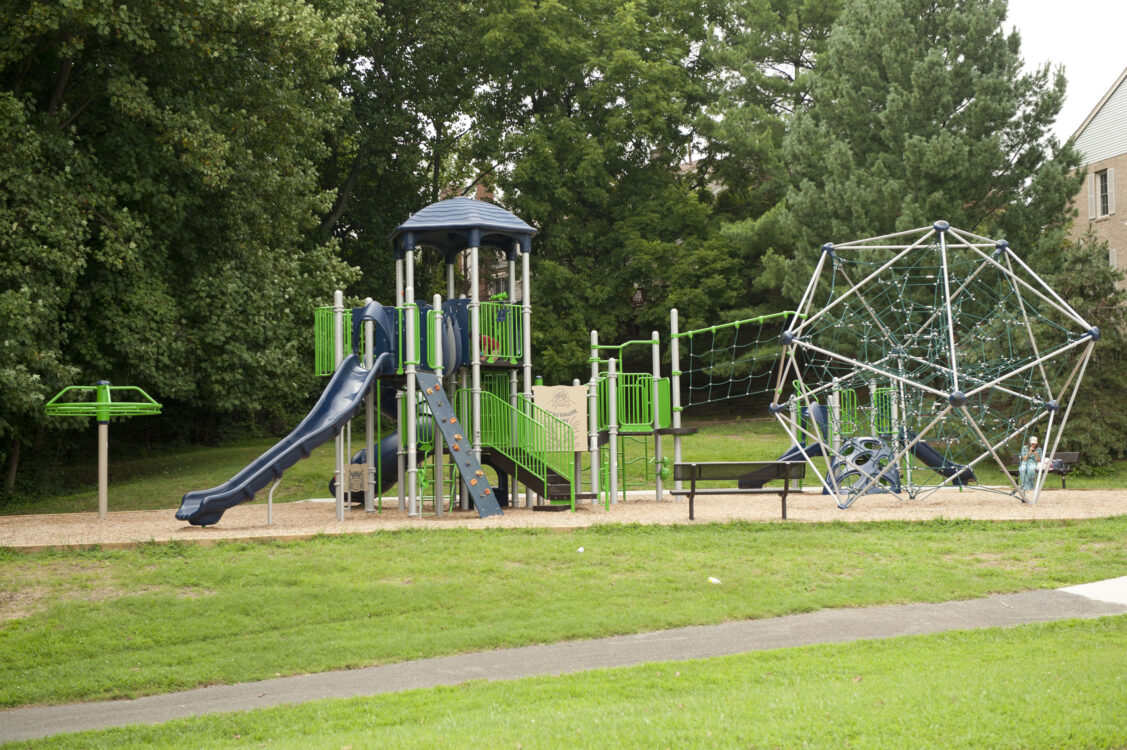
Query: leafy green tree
pixel 763 54
pixel 408 81
pixel 920 112
pixel 1097 427
pixel 584 119
pixel 158 178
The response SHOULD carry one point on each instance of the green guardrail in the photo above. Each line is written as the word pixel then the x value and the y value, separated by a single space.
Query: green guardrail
pixel 529 436
pixel 882 410
pixel 847 419
pixel 501 332
pixel 324 358
pixel 401 314
pixel 633 402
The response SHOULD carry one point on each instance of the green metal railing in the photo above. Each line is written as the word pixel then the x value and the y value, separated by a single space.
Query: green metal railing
pixel 531 437
pixel 882 410
pixel 432 340
pixel 324 360
pixel 847 419
pixel 501 332
pixel 633 401
pixel 401 314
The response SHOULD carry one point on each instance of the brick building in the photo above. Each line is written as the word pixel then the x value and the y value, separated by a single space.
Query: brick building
pixel 1102 142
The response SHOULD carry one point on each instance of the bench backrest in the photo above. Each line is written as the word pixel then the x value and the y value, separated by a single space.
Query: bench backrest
pixel 735 470
pixel 1065 457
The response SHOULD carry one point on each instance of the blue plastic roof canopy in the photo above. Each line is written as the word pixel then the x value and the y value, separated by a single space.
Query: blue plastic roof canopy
pixel 458 223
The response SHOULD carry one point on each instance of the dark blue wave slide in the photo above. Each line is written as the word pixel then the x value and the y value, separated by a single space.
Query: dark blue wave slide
pixel 342 400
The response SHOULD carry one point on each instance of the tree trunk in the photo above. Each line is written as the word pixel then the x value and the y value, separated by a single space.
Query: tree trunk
pixel 13 464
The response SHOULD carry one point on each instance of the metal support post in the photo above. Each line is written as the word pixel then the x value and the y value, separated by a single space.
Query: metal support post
pixel 593 416
pixel 338 357
pixel 675 388
pixel 514 379
pixel 103 397
pixel 436 434
pixel 411 402
pixel 370 417
pixel 612 392
pixel 401 452
pixel 656 346
pixel 526 331
pixel 475 352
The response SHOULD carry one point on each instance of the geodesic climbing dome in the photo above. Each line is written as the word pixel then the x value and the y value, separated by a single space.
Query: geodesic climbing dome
pixel 943 345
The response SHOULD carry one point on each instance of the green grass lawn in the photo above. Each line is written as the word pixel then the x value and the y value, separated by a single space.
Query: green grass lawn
pixel 1058 685
pixel 159 481
pixel 162 617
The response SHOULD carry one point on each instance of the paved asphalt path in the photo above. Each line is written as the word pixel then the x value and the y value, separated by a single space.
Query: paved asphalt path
pixel 827 626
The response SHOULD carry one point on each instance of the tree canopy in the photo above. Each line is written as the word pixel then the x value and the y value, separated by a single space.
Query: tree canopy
pixel 182 182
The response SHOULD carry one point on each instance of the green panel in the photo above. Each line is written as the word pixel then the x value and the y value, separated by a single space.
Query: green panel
pixel 664 403
pixel 634 402
pixel 882 411
pixel 432 340
pixel 324 359
pixel 401 322
pixel 501 332
pixel 847 420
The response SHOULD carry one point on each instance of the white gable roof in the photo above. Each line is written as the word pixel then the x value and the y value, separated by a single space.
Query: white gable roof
pixel 1104 132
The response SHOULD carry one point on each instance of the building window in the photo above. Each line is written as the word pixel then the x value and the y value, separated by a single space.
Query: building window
pixel 1112 260
pixel 1101 193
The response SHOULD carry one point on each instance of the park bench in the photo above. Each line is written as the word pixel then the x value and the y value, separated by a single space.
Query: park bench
pixel 742 472
pixel 1062 465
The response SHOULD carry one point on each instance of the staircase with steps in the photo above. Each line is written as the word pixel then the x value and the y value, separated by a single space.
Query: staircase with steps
pixel 529 443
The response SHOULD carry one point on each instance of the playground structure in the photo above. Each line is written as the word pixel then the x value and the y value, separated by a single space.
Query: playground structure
pixel 906 352
pixel 450 373
pixel 944 344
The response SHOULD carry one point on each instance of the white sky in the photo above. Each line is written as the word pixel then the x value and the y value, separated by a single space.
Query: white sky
pixel 1086 36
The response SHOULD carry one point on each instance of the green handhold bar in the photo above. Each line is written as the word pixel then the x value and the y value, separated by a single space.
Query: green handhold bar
pixel 103 407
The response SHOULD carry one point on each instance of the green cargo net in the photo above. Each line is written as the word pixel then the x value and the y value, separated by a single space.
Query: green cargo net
pixel 103 406
pixel 731 360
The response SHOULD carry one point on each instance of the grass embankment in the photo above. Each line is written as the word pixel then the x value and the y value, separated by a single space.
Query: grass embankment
pixel 1058 685
pixel 102 624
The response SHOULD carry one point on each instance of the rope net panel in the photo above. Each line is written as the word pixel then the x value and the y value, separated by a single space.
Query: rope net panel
pixel 732 360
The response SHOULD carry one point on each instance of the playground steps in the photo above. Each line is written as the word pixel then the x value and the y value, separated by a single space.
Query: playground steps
pixel 554 488
pixel 461 451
